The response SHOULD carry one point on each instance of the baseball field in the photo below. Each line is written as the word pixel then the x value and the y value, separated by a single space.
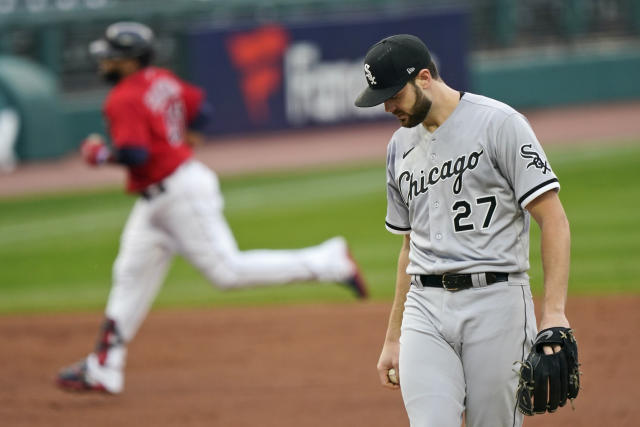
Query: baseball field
pixel 301 354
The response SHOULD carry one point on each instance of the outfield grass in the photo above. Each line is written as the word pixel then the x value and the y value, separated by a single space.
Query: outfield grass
pixel 56 251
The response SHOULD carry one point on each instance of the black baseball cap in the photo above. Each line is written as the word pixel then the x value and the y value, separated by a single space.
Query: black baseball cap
pixel 389 65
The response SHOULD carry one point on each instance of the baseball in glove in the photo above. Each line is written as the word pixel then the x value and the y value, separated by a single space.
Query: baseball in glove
pixel 547 381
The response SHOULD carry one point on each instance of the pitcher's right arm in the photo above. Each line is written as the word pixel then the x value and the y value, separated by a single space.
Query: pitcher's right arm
pixel 391 348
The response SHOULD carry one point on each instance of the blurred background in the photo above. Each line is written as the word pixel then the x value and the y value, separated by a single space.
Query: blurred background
pixel 282 64
pixel 282 76
pixel 298 164
pixel 287 140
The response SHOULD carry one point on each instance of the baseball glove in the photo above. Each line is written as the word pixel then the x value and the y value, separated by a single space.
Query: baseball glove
pixel 547 381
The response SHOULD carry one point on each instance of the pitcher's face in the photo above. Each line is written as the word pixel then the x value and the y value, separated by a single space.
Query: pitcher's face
pixel 410 105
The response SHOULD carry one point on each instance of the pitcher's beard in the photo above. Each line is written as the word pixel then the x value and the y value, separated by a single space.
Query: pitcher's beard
pixel 420 109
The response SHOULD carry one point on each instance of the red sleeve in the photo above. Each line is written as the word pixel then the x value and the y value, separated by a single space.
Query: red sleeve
pixel 193 97
pixel 127 122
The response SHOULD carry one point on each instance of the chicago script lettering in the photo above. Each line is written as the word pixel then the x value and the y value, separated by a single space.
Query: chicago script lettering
pixel 420 184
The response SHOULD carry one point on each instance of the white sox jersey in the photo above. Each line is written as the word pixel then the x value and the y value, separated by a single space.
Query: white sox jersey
pixel 461 190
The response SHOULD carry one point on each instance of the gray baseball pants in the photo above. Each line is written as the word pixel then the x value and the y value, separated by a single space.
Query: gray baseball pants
pixel 457 353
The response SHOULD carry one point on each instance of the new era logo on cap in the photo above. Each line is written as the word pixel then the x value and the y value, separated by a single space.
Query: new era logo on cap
pixel 389 65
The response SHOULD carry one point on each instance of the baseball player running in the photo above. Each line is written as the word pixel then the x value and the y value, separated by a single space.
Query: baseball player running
pixel 151 114
pixel 464 175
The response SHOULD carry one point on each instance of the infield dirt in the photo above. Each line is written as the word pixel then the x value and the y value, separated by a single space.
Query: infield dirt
pixel 311 365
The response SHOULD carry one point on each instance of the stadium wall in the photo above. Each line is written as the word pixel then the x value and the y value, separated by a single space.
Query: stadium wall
pixel 524 80
pixel 559 79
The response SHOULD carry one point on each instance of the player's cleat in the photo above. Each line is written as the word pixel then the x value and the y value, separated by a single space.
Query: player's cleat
pixel 75 378
pixel 356 282
pixel 90 375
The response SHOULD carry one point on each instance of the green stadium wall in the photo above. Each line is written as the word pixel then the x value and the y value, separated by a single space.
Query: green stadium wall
pixel 31 90
pixel 559 79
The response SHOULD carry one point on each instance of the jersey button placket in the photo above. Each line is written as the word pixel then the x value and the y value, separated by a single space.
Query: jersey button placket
pixel 436 204
pixel 433 154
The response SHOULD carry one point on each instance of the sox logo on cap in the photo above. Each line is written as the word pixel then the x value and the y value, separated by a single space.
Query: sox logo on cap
pixel 369 75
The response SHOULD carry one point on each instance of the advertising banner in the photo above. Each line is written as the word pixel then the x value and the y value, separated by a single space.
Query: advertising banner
pixel 293 75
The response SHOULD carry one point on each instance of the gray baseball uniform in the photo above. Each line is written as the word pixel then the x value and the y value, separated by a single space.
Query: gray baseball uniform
pixel 461 192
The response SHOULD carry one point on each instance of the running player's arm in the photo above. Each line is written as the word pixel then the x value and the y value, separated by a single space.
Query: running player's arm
pixel 96 152
pixel 198 115
pixel 129 136
pixel 555 249
pixel 195 131
pixel 129 132
pixel 391 348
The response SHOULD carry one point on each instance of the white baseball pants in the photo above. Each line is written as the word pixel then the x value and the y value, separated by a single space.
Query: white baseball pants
pixel 187 219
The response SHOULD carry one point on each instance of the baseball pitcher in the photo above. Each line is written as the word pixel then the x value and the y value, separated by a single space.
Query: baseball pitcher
pixel 464 175
pixel 151 115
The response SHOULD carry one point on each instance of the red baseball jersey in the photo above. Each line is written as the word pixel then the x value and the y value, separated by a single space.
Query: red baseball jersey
pixel 151 109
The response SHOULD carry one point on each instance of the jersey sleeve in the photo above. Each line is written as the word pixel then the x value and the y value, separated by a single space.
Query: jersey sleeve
pixel 522 160
pixel 193 97
pixel 397 219
pixel 128 123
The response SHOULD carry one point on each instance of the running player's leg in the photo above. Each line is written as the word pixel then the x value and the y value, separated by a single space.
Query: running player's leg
pixel 203 236
pixel 498 333
pixel 138 272
pixel 431 375
pixel 139 269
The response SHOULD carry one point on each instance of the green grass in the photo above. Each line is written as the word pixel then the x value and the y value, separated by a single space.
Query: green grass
pixel 56 252
pixel 601 195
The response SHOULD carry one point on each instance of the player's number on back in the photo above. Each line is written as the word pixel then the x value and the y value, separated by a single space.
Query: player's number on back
pixel 464 210
pixel 174 122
